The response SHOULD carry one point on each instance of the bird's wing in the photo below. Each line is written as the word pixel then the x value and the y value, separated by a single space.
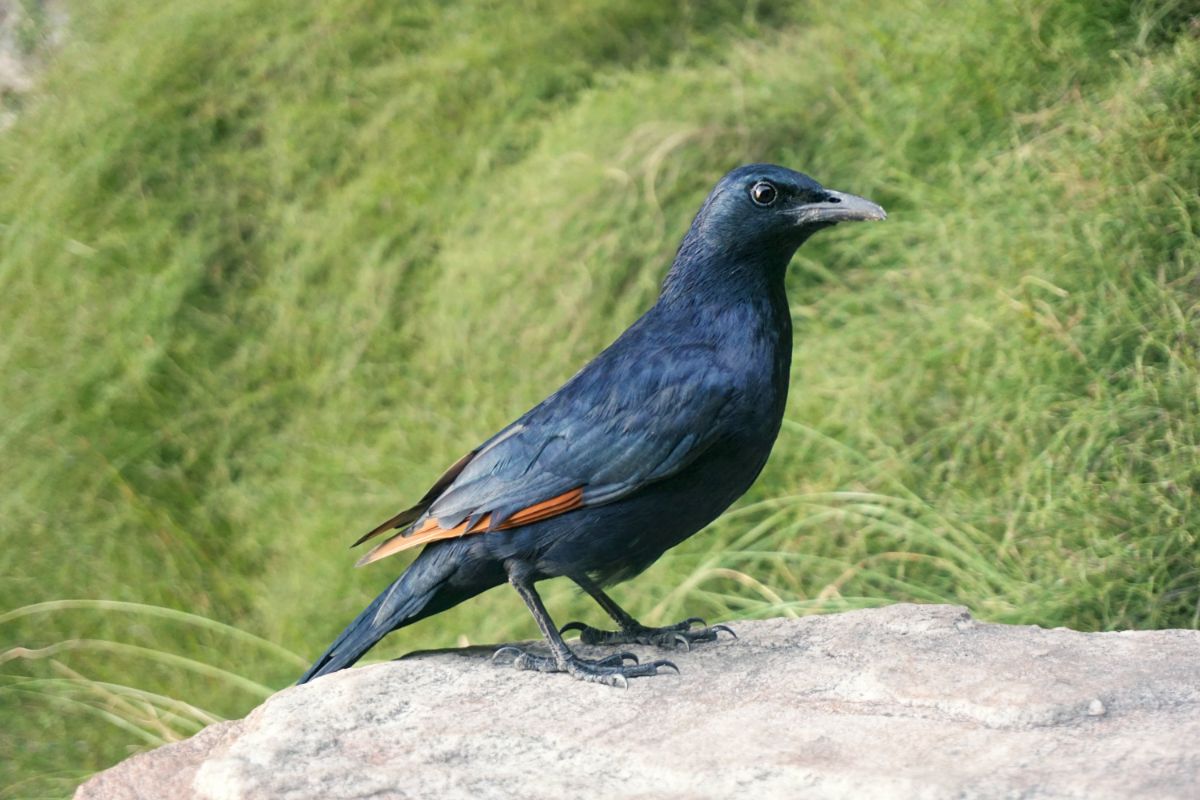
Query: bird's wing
pixel 409 515
pixel 615 427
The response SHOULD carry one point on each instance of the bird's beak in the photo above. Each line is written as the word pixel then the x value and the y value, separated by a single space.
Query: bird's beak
pixel 839 207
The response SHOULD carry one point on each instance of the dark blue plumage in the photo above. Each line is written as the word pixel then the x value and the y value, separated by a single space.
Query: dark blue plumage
pixel 644 446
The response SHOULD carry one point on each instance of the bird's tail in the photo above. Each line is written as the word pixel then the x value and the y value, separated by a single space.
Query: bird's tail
pixel 425 588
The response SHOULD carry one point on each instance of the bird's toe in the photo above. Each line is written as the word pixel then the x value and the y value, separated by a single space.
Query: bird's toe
pixel 616 660
pixel 616 675
pixel 525 660
pixel 670 639
pixel 596 636
pixel 687 624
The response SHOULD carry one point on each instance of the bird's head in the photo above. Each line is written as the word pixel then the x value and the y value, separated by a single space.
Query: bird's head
pixel 759 214
pixel 767 205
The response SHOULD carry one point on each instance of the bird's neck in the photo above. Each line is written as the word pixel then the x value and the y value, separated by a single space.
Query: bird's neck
pixel 708 273
pixel 738 306
pixel 712 261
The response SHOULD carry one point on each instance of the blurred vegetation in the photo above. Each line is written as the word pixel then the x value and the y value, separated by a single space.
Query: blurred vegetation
pixel 266 269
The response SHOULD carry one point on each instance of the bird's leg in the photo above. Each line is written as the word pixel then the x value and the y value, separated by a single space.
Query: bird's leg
pixel 633 632
pixel 611 671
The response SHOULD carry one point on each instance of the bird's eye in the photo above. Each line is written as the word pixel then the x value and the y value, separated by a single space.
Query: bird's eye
pixel 763 193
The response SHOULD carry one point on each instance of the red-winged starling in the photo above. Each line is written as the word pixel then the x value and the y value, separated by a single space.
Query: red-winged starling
pixel 643 447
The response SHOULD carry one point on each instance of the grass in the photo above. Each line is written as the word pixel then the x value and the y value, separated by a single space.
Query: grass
pixel 266 270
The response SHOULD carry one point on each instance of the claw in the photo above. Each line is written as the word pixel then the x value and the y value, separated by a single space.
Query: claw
pixel 680 639
pixel 572 626
pixel 726 628
pixel 663 663
pixel 508 649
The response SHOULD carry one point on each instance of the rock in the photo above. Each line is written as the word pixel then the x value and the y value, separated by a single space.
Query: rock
pixel 904 701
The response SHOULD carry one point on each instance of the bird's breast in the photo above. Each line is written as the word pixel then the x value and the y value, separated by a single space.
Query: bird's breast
pixel 757 349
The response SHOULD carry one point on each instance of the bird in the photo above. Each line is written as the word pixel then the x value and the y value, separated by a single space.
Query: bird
pixel 646 445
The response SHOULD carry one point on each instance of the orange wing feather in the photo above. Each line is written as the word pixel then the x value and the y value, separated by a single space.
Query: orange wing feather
pixel 409 514
pixel 431 531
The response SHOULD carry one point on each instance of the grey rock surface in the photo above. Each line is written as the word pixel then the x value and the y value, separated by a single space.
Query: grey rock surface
pixel 898 702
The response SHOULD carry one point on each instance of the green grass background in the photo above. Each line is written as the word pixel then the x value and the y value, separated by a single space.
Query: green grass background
pixel 266 268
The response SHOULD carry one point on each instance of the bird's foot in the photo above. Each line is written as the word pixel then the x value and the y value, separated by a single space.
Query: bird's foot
pixel 610 670
pixel 679 635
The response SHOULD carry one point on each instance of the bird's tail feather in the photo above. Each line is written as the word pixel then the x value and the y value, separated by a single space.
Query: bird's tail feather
pixel 421 591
